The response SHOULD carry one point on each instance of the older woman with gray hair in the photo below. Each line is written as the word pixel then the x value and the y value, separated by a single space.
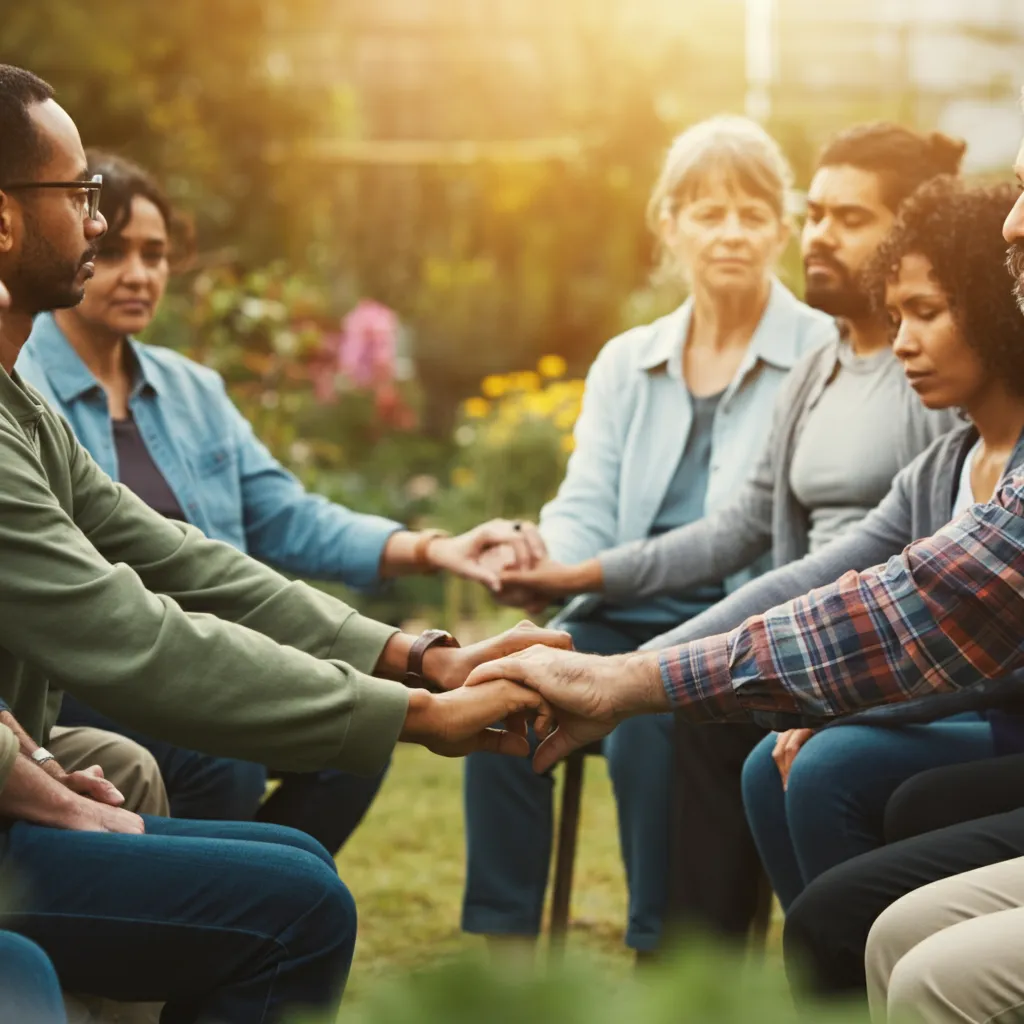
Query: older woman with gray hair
pixel 674 416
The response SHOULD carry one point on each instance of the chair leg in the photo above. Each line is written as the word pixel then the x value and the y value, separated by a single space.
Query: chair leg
pixel 565 856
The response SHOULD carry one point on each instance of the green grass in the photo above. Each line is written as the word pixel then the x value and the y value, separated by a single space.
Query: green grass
pixel 406 867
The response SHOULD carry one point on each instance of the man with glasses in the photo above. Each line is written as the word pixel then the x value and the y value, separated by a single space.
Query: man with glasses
pixel 194 642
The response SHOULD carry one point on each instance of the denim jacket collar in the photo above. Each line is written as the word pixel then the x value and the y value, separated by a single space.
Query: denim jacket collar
pixel 775 340
pixel 65 369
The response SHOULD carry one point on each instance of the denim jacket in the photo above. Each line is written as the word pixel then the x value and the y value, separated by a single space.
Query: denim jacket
pixel 635 420
pixel 225 480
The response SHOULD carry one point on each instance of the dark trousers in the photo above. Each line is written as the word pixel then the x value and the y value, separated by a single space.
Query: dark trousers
pixel 716 877
pixel 234 922
pixel 29 990
pixel 327 805
pixel 954 793
pixel 827 926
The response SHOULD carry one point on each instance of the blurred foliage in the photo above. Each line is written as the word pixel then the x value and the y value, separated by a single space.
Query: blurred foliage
pixel 512 440
pixel 702 986
pixel 234 103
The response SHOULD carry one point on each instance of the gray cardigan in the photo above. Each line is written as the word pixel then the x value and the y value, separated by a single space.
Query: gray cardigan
pixel 766 515
pixel 919 503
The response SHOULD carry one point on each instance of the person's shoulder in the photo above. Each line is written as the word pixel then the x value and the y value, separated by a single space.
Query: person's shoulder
pixel 816 362
pixel 642 345
pixel 939 458
pixel 179 370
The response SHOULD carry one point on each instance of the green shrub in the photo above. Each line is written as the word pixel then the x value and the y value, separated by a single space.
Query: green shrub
pixel 702 986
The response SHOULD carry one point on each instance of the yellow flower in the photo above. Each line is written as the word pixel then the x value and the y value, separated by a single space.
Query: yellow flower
pixel 463 477
pixel 525 380
pixel 476 408
pixel 568 444
pixel 551 366
pixel 494 386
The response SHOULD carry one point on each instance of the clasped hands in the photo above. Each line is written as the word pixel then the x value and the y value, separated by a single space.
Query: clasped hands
pixel 525 675
pixel 511 560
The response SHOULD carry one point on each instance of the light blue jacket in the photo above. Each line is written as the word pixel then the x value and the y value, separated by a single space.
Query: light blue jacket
pixel 635 421
pixel 225 480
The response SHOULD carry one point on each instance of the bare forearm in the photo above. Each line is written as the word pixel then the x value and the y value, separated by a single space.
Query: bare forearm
pixel 31 795
pixel 641 690
pixel 25 742
pixel 407 552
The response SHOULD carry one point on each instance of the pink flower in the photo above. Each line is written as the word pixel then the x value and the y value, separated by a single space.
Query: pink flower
pixel 367 346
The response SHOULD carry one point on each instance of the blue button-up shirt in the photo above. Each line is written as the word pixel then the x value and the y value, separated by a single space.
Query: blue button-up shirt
pixel 636 418
pixel 226 481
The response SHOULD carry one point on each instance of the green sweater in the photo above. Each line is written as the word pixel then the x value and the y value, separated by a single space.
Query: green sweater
pixel 179 636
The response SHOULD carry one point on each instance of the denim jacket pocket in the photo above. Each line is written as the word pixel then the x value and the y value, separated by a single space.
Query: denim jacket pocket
pixel 220 491
pixel 216 458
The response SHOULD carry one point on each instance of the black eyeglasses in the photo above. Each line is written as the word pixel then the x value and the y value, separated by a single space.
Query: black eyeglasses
pixel 89 189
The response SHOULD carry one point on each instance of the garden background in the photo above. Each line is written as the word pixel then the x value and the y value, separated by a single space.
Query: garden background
pixel 417 221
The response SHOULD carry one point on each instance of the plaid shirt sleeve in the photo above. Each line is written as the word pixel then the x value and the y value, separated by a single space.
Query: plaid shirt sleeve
pixel 944 614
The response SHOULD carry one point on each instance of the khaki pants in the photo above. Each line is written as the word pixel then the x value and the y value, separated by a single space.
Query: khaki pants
pixel 951 951
pixel 127 765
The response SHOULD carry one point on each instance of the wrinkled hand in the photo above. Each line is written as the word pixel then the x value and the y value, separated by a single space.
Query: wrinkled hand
pixel 449 666
pixel 787 746
pixel 459 722
pixel 463 555
pixel 87 815
pixel 89 782
pixel 500 560
pixel 588 695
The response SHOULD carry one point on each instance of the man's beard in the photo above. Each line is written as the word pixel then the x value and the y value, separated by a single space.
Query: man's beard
pixel 43 278
pixel 846 298
pixel 1015 267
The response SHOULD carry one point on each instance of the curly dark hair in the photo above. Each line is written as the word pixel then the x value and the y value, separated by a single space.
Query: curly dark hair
pixel 958 229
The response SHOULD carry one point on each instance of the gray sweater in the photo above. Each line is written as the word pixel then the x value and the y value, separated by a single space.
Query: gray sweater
pixel 766 515
pixel 919 503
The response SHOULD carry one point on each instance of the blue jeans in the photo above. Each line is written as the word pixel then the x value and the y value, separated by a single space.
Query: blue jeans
pixel 234 922
pixel 509 810
pixel 29 989
pixel 327 805
pixel 833 808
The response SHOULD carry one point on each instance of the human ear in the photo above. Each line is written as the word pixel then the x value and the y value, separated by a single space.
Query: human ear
pixel 6 224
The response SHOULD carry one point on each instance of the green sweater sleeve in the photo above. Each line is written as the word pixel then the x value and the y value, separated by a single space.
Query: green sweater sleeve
pixel 8 753
pixel 181 637
pixel 203 575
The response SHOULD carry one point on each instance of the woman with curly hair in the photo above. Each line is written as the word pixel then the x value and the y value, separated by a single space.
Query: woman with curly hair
pixel 815 800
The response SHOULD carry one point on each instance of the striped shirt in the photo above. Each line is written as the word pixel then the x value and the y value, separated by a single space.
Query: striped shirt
pixel 945 614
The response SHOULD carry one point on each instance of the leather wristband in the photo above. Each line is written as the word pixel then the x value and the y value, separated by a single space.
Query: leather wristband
pixel 424 539
pixel 414 667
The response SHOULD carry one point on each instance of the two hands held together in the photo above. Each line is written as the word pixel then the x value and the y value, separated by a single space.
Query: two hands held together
pixel 524 675
pixel 508 557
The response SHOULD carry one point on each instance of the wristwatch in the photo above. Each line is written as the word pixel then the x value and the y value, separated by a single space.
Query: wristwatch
pixel 41 755
pixel 414 667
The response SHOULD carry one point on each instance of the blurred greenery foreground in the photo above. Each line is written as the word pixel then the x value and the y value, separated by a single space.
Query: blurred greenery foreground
pixel 701 986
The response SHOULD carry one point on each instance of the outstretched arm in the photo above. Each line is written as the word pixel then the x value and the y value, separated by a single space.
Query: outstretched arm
pixel 944 614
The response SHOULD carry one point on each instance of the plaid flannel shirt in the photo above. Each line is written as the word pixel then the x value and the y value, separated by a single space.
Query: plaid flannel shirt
pixel 945 614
